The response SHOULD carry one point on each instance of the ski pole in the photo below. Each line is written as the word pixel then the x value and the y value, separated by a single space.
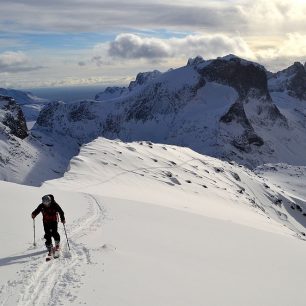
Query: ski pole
pixel 34 243
pixel 66 236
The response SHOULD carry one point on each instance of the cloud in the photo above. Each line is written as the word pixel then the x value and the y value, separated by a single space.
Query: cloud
pixel 95 80
pixel 72 15
pixel 292 48
pixel 134 46
pixel 131 46
pixel 12 59
pixel 97 59
pixel 15 62
pixel 275 16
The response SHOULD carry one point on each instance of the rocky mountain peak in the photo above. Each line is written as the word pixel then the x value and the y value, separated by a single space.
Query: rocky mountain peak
pixel 195 61
pixel 240 74
pixel 110 93
pixel 11 116
pixel 292 80
pixel 143 78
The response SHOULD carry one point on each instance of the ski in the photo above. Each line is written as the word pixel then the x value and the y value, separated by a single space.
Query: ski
pixel 49 257
pixel 56 253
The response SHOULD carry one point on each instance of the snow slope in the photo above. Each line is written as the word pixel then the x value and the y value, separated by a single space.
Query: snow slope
pixel 291 180
pixel 154 225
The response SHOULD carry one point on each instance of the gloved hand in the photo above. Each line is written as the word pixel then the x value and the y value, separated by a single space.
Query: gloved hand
pixel 33 216
pixel 63 221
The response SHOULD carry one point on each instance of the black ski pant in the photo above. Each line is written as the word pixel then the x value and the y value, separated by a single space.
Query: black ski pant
pixel 51 231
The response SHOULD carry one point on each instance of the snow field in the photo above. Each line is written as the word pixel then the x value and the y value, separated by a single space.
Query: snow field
pixel 152 224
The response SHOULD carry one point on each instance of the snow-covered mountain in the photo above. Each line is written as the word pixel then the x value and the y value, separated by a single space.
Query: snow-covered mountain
pixel 30 104
pixel 21 97
pixel 114 92
pixel 111 93
pixel 221 107
pixel 27 158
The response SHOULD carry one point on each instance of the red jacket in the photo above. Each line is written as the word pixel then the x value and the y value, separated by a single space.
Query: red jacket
pixel 49 212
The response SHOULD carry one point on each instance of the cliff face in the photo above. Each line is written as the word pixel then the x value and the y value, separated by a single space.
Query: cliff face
pixel 291 80
pixel 11 116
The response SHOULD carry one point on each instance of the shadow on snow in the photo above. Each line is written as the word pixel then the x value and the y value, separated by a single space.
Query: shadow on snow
pixel 11 260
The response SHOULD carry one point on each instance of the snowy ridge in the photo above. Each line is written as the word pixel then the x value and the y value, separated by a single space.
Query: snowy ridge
pixel 126 166
pixel 22 97
pixel 115 92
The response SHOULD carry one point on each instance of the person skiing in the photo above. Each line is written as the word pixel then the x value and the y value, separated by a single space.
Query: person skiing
pixel 49 209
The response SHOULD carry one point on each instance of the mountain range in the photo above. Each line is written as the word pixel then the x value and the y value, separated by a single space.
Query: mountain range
pixel 228 108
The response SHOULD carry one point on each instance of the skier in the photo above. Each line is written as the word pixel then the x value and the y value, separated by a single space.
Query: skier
pixel 49 209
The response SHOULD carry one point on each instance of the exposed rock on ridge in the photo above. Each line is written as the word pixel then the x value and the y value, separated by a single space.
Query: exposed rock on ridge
pixel 12 117
pixel 291 79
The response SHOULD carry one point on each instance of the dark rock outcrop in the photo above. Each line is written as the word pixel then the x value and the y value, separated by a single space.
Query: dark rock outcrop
pixel 236 113
pixel 291 79
pixel 247 137
pixel 297 84
pixel 237 73
pixel 12 117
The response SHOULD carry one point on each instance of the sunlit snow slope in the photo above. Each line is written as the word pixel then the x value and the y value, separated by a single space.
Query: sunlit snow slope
pixel 155 225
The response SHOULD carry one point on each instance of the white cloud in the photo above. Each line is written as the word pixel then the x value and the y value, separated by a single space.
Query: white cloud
pixel 274 16
pixel 271 32
pixel 13 58
pixel 292 48
pixel 104 15
pixel 15 62
pixel 131 46
pixel 134 46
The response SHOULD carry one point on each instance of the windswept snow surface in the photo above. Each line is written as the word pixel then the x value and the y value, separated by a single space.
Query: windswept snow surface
pixel 156 225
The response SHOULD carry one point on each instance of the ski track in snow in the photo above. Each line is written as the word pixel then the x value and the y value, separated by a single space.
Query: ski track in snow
pixel 50 283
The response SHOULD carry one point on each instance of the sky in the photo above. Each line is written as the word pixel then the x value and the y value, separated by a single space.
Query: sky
pixel 87 42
